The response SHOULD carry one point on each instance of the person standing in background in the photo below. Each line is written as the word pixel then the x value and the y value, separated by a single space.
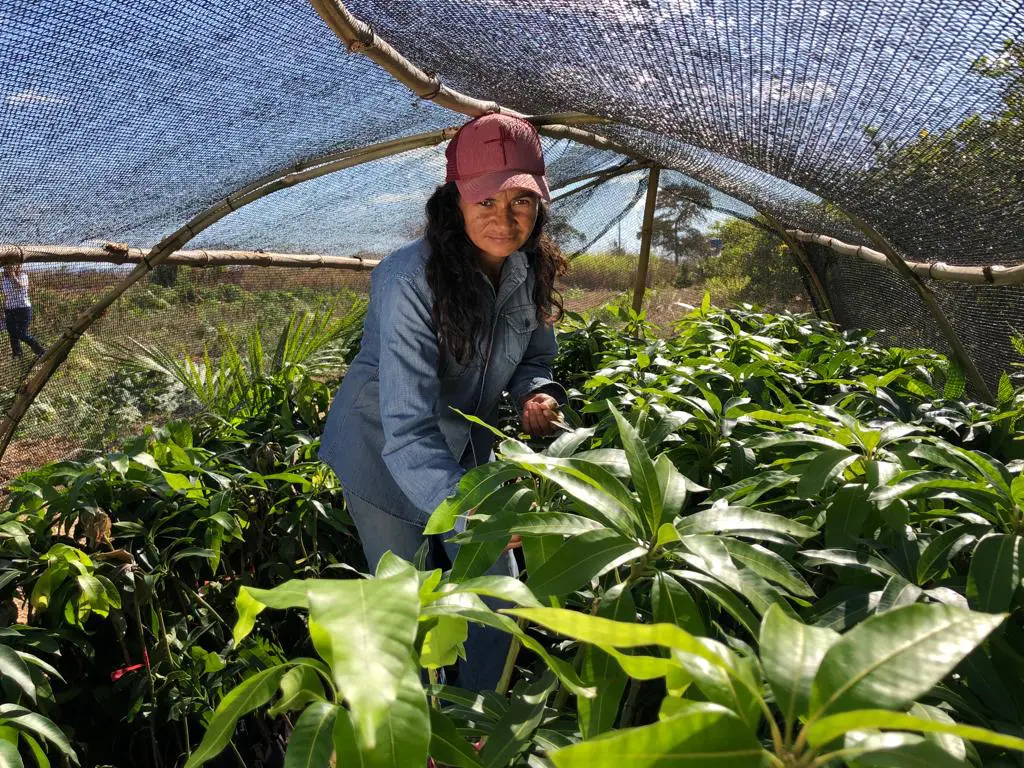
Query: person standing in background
pixel 18 310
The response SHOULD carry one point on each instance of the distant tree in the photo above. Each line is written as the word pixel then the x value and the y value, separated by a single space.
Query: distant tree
pixel 967 170
pixel 755 258
pixel 165 275
pixel 562 232
pixel 679 208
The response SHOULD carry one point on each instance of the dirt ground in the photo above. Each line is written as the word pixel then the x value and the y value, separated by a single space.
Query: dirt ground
pixel 23 455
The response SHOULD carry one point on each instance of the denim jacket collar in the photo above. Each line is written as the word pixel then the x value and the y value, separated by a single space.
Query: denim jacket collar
pixel 513 275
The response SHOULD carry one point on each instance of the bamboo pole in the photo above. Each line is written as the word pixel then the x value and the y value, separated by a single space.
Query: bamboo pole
pixel 118 253
pixel 598 180
pixel 646 233
pixel 48 363
pixel 626 167
pixel 819 296
pixel 994 274
pixel 960 353
pixel 359 38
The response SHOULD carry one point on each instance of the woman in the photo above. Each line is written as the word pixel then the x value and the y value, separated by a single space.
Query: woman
pixel 18 310
pixel 455 319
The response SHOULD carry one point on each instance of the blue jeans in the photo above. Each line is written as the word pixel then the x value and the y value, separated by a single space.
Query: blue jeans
pixel 18 320
pixel 486 648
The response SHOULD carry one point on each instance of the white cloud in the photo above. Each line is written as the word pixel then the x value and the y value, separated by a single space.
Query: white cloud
pixel 32 96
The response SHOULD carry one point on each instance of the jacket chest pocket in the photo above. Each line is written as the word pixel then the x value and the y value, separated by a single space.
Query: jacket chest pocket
pixel 519 324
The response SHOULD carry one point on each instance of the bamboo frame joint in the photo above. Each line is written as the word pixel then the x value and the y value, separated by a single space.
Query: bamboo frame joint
pixel 366 41
pixel 435 91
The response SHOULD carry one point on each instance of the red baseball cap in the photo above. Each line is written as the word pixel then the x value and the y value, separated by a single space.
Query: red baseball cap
pixel 496 152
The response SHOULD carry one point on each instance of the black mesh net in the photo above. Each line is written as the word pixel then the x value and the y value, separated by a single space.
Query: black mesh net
pixel 119 122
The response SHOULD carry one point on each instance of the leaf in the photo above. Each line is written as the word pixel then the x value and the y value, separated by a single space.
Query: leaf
pixel 673 487
pixel 442 641
pixel 346 750
pixel 791 653
pixel 704 735
pixel 447 746
pixel 581 559
pixel 531 524
pixel 9 757
pixel 919 484
pixel 38 753
pixel 818 475
pixel 829 728
pixel 886 749
pixel 597 715
pixel 403 735
pixel 1005 392
pixel 645 476
pixel 845 558
pixel 200 552
pixel 14 670
pixel 845 516
pixel 537 550
pixel 898 591
pixel 722 595
pixel 588 483
pixel 671 603
pixel 741 519
pixel 252 693
pixel 936 555
pixel 605 633
pixel 893 658
pixel 503 506
pixel 365 630
pixel 501 587
pixel 472 608
pixel 512 732
pixel 956 382
pixel 252 601
pixel 769 565
pixel 995 572
pixel 474 486
pixel 487 703
pixel 714 558
pixel 300 686
pixel 311 742
pixel 37 724
pixel 953 745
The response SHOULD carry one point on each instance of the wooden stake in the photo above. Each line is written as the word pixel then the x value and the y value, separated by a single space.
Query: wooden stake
pixel 819 294
pixel 640 285
pixel 960 353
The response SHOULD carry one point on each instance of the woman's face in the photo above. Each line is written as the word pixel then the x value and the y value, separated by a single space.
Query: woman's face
pixel 502 224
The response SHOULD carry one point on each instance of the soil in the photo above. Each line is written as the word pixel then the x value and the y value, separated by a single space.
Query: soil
pixel 30 453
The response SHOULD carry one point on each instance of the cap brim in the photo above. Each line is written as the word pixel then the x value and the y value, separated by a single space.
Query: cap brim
pixel 489 184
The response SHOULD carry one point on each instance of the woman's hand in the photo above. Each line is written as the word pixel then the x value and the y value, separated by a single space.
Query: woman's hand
pixel 540 414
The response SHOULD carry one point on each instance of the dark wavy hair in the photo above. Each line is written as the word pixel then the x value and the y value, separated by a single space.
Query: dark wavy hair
pixel 460 307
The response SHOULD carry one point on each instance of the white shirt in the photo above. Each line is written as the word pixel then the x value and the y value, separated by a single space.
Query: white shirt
pixel 16 291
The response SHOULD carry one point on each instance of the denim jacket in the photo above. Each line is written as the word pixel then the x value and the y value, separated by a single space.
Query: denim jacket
pixel 391 435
